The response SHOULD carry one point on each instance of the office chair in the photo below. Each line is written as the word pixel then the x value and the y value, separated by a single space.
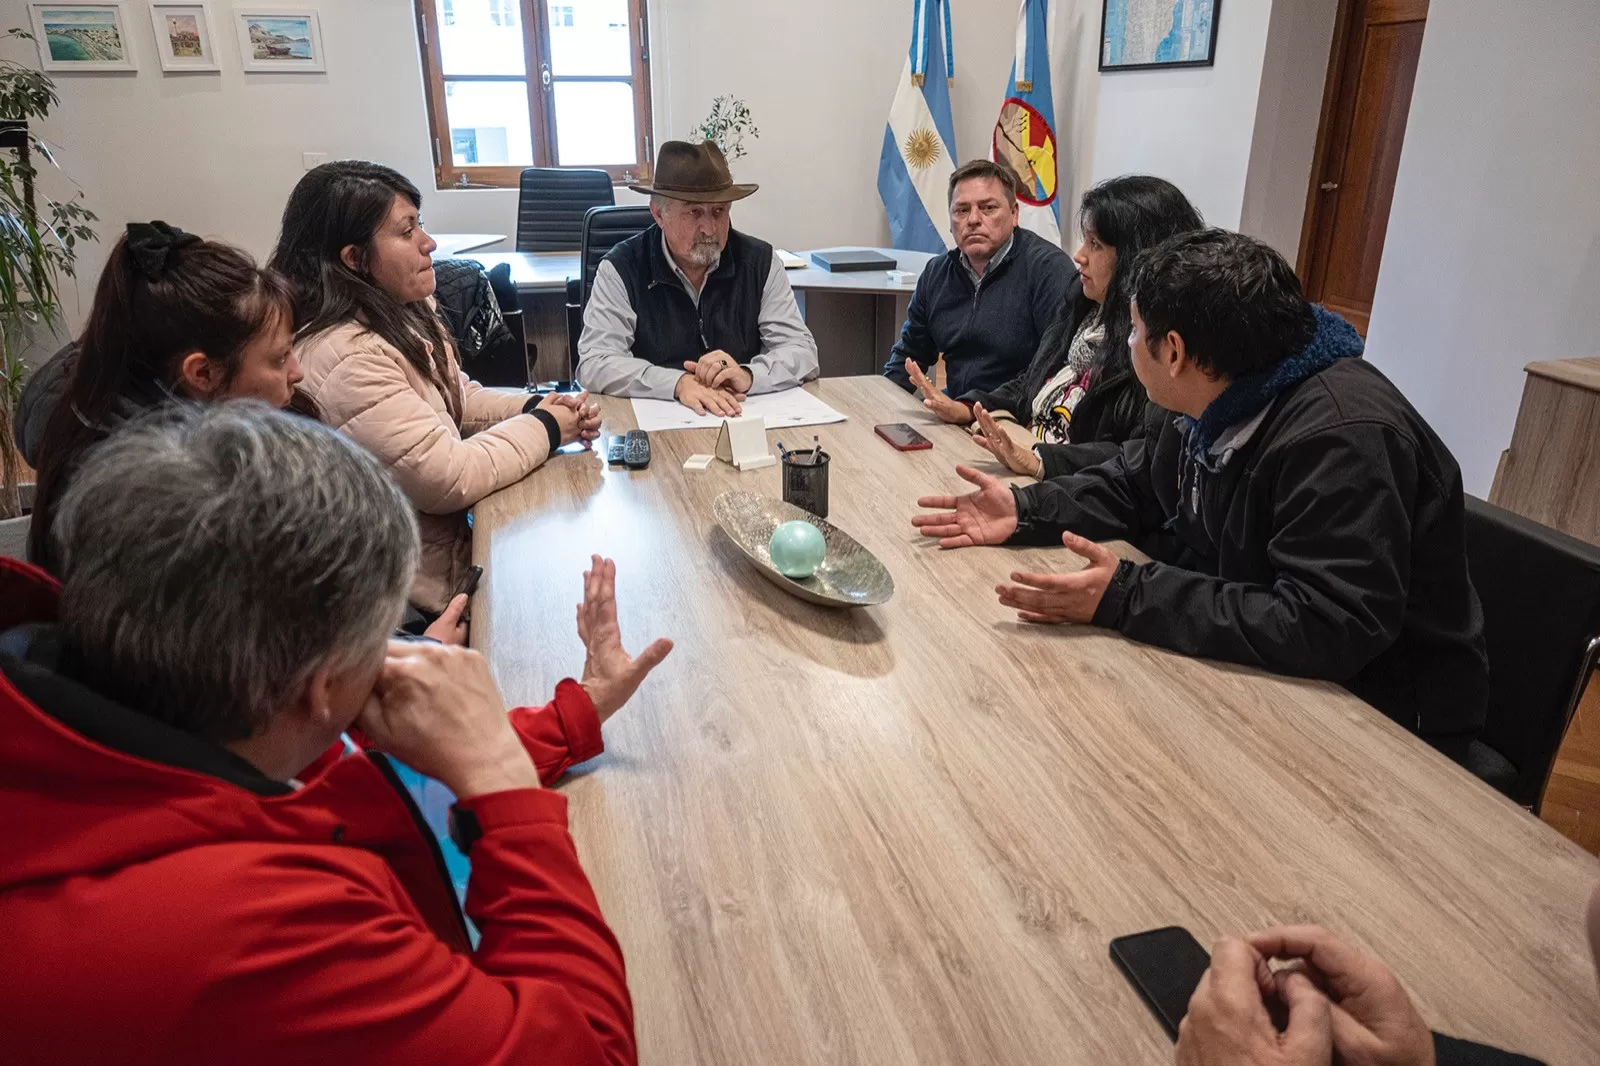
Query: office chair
pixel 603 229
pixel 1541 622
pixel 551 203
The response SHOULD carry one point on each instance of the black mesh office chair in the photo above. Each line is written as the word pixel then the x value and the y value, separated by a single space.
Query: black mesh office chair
pixel 1541 621
pixel 551 204
pixel 603 229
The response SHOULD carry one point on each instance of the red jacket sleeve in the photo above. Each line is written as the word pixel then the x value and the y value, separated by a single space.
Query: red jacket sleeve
pixel 562 733
pixel 537 916
pixel 558 736
pixel 332 950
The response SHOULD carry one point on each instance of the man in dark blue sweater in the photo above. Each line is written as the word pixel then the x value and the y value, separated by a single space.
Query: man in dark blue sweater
pixel 984 304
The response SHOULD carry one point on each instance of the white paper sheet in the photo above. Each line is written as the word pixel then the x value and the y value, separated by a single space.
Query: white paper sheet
pixel 782 410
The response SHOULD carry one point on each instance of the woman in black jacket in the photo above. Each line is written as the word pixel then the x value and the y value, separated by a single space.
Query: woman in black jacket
pixel 1079 396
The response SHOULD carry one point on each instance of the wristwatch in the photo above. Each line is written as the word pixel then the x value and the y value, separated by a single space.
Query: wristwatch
pixel 465 830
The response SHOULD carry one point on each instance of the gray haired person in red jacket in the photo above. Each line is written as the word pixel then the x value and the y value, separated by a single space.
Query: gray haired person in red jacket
pixel 208 854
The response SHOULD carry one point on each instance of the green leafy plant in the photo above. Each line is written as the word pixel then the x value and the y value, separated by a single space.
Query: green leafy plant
pixel 727 126
pixel 38 246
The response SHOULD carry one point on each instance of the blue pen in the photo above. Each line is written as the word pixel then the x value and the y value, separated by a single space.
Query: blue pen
pixel 783 455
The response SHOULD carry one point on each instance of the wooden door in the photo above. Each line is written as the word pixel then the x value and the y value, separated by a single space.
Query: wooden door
pixel 1368 97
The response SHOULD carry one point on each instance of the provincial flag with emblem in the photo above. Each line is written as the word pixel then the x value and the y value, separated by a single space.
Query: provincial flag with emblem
pixel 1025 134
pixel 919 144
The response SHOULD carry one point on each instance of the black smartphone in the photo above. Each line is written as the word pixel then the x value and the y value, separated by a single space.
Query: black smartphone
pixel 469 582
pixel 902 437
pixel 1165 967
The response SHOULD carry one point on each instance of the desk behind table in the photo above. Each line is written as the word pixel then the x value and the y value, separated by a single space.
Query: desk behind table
pixel 906 834
pixel 855 316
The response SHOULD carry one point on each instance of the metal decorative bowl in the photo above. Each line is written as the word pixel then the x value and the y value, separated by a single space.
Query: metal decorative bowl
pixel 850 576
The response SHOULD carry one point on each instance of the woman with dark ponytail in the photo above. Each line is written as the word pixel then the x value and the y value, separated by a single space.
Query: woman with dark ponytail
pixel 1078 400
pixel 174 317
pixel 381 367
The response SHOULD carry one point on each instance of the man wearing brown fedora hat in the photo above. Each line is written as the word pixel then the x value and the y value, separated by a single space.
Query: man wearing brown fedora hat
pixel 691 309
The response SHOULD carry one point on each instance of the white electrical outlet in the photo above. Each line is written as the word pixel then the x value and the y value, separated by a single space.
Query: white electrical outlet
pixel 313 160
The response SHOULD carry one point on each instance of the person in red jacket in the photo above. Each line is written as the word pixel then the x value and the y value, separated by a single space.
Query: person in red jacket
pixel 198 864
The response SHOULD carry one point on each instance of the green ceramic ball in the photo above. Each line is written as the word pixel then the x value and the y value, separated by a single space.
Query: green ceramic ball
pixel 797 549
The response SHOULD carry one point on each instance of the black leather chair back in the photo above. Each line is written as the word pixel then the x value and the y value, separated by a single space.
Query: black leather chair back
pixel 1541 621
pixel 603 229
pixel 551 204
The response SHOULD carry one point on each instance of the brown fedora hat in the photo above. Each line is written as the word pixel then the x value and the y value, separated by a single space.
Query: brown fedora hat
pixel 694 172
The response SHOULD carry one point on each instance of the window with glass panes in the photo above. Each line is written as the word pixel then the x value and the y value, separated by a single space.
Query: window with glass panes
pixel 536 83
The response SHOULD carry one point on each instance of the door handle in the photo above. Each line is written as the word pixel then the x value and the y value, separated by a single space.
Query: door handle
pixel 1329 186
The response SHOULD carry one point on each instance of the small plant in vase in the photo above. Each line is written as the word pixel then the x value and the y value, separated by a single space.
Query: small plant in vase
pixel 38 247
pixel 727 126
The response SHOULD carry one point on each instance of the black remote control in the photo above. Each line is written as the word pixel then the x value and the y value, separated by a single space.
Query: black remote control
pixel 617 452
pixel 636 449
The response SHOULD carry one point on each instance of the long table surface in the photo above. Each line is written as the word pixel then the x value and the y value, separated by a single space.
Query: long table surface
pixel 906 834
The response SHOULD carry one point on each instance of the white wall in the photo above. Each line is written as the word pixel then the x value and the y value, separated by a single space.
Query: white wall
pixel 218 153
pixel 1193 127
pixel 1492 258
pixel 1299 40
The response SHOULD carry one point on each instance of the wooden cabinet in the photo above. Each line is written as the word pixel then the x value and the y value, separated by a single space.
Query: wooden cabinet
pixel 1551 473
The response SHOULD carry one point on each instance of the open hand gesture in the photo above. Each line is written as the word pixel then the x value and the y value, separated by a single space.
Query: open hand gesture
pixel 1056 598
pixel 988 516
pixel 953 411
pixel 1003 446
pixel 610 674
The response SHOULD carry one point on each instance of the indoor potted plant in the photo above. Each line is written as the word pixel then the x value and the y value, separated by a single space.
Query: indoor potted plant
pixel 726 127
pixel 38 247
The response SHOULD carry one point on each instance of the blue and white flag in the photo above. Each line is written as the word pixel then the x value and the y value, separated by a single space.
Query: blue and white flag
pixel 919 144
pixel 1025 134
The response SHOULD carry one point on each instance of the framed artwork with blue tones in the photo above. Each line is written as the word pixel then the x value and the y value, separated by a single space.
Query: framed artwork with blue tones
pixel 281 41
pixel 82 37
pixel 1157 34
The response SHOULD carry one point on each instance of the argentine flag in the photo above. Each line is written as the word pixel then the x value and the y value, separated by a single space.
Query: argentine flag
pixel 1024 134
pixel 919 145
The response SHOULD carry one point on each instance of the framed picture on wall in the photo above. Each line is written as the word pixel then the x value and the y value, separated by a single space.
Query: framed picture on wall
pixel 280 40
pixel 184 40
pixel 1157 34
pixel 82 37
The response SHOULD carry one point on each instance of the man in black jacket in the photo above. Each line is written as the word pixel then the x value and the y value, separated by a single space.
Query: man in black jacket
pixel 1302 515
pixel 985 303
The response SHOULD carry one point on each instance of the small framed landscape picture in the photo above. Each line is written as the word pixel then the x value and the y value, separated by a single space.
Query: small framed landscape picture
pixel 279 40
pixel 184 40
pixel 82 37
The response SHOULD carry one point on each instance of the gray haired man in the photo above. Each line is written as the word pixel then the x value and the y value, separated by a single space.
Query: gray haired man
pixel 194 843
pixel 691 309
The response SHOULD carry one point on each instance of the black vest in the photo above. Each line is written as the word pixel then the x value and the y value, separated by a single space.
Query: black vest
pixel 668 330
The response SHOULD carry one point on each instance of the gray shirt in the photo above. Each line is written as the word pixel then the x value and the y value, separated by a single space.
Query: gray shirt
pixel 606 363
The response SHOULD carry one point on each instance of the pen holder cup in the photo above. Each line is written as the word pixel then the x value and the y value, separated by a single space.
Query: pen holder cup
pixel 805 484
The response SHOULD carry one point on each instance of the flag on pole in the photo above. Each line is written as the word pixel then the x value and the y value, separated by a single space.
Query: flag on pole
pixel 919 143
pixel 1025 135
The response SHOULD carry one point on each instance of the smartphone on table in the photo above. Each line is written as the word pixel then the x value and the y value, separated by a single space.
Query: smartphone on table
pixel 1164 966
pixel 902 438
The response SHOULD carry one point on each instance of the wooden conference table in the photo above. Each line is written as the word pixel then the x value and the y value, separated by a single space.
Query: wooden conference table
pixel 905 834
pixel 855 316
